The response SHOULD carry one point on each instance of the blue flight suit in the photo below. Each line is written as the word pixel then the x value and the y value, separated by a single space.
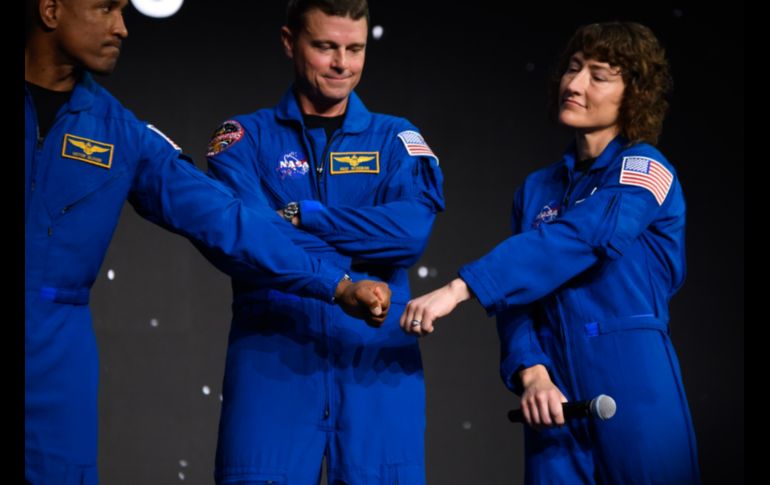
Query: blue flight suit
pixel 96 155
pixel 591 267
pixel 302 378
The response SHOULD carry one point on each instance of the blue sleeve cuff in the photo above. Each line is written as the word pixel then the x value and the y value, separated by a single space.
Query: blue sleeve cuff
pixel 510 368
pixel 310 213
pixel 473 277
pixel 329 276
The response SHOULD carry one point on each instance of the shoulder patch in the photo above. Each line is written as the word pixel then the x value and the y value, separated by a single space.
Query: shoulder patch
pixel 163 135
pixel 224 137
pixel 415 144
pixel 647 173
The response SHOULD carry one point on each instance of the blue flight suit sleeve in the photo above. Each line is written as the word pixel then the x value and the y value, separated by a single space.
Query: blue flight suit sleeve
pixel 519 346
pixel 173 193
pixel 237 169
pixel 396 230
pixel 539 261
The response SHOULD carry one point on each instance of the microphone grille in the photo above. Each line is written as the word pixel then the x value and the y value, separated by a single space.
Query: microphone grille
pixel 603 407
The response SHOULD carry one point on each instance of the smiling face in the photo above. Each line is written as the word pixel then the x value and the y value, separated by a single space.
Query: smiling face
pixel 88 33
pixel 328 54
pixel 590 94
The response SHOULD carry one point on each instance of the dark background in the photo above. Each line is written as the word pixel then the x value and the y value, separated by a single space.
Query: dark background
pixel 472 77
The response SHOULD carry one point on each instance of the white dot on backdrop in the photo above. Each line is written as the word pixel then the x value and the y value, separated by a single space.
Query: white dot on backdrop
pixel 181 475
pixel 422 271
pixel 110 274
pixel 220 398
pixel 466 425
pixel 183 463
pixel 377 31
pixel 154 322
pixel 206 390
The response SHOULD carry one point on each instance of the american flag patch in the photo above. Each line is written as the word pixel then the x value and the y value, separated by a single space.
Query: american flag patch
pixel 169 140
pixel 415 144
pixel 647 173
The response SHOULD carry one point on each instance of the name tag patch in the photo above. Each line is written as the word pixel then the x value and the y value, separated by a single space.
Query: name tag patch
pixel 354 162
pixel 86 150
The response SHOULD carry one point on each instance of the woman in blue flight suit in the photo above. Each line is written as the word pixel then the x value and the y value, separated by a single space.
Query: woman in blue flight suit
pixel 597 253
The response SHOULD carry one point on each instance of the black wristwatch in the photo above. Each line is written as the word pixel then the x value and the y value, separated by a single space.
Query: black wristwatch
pixel 290 211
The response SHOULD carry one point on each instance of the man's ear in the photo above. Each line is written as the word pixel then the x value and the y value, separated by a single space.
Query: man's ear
pixel 49 13
pixel 287 39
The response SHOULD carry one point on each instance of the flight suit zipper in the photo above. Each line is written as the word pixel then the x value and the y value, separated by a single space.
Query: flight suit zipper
pixel 320 180
pixel 321 187
pixel 324 311
pixel 38 150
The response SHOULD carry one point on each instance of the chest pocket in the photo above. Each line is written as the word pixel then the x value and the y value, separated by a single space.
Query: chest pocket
pixel 356 178
pixel 75 176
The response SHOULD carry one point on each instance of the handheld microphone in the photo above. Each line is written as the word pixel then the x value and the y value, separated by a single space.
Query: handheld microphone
pixel 601 407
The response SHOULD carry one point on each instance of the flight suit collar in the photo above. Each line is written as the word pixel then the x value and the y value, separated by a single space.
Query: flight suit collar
pixel 357 118
pixel 610 152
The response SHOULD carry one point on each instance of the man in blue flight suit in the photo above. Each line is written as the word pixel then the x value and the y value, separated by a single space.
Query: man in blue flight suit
pixel 85 155
pixel 302 381
pixel 581 290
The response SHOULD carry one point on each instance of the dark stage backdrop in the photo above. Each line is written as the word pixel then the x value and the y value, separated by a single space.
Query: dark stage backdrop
pixel 474 82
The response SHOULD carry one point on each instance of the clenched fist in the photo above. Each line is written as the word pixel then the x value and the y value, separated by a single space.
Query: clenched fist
pixel 366 299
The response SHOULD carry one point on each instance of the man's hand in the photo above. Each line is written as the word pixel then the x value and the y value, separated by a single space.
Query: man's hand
pixel 541 399
pixel 421 312
pixel 366 299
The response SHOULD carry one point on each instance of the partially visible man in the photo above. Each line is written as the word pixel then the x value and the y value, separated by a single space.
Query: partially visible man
pixel 302 380
pixel 85 154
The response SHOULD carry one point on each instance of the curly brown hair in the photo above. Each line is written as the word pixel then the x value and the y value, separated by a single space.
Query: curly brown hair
pixel 635 50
